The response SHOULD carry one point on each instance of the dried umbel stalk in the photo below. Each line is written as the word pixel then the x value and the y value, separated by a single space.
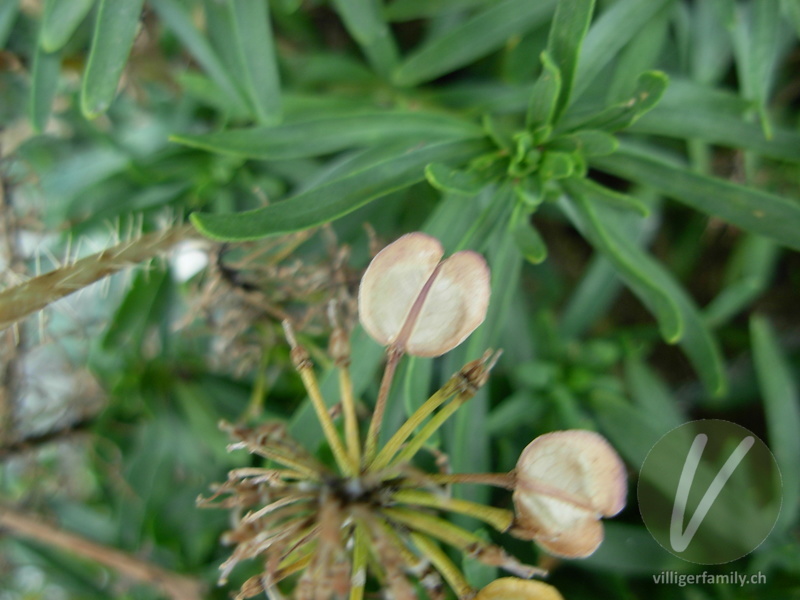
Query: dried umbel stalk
pixel 18 302
pixel 371 518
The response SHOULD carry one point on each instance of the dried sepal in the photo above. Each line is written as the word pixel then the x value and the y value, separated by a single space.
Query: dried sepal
pixel 565 482
pixel 512 588
pixel 412 300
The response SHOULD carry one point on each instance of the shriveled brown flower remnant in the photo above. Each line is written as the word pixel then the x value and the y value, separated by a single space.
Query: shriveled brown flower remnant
pixel 366 518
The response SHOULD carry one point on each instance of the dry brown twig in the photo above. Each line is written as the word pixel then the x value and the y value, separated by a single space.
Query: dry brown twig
pixel 177 587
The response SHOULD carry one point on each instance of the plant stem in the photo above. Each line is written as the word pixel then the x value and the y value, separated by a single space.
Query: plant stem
pixel 443 564
pixel 415 420
pixel 424 434
pixel 394 356
pixel 173 585
pixel 502 480
pixel 350 417
pixel 22 300
pixel 498 518
pixel 304 367
pixel 358 576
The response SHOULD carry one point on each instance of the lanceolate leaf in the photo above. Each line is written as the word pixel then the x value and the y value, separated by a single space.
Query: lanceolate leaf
pixel 408 10
pixel 782 406
pixel 634 265
pixel 114 31
pixel 612 30
pixel 255 52
pixel 564 43
pixel 545 94
pixel 8 13
pixel 649 89
pixel 44 85
pixel 59 21
pixel 332 134
pixel 600 193
pixel 180 22
pixel 481 34
pixel 335 198
pixel 364 22
pixel 455 181
pixel 753 210
pixel 693 112
pixel 678 317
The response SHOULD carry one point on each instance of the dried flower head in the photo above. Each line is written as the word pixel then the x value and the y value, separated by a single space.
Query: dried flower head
pixel 328 527
pixel 567 481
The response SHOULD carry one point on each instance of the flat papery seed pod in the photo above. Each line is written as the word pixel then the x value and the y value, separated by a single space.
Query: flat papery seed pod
pixel 566 481
pixel 422 306
pixel 512 588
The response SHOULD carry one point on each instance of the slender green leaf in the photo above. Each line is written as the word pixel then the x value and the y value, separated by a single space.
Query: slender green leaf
pixel 530 243
pixel 782 407
pixel 609 34
pixel 649 89
pixel 332 134
pixel 44 85
pixel 756 34
pixel 336 198
pixel 545 94
pixel 477 36
pixel 408 10
pixel 365 23
pixel 114 32
pixel 631 430
pixel 752 265
pixel 556 165
pixel 643 51
pixel 635 266
pixel 8 14
pixel 469 448
pixel 567 31
pixel 694 112
pixel 711 49
pixel 651 394
pixel 452 218
pixel 254 46
pixel 678 317
pixel 128 326
pixel 791 9
pixel 455 181
pixel 60 20
pixel 417 382
pixel 753 210
pixel 591 298
pixel 595 142
pixel 178 19
pixel 597 192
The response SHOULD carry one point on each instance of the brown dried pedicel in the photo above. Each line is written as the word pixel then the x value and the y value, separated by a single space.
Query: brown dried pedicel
pixel 567 481
pixel 412 300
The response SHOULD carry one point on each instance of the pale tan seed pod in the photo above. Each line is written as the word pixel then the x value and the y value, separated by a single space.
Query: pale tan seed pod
pixel 512 588
pixel 412 300
pixel 565 482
